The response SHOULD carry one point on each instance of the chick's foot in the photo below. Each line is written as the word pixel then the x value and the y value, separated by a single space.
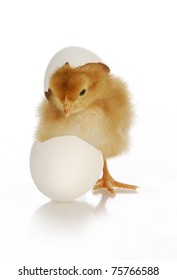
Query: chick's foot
pixel 109 183
pixel 102 183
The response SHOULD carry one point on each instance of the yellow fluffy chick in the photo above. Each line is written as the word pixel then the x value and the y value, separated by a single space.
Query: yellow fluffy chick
pixel 92 104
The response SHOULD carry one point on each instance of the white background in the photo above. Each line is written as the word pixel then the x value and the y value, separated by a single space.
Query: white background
pixel 137 39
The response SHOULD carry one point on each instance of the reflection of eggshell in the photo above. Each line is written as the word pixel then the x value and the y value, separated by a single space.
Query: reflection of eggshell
pixel 76 56
pixel 66 167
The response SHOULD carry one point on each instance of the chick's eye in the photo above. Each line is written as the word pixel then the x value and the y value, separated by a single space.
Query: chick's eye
pixel 82 92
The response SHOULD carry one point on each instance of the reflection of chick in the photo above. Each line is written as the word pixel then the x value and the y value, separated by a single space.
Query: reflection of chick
pixel 90 103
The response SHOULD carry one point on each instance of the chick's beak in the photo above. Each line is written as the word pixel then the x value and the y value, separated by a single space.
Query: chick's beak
pixel 66 110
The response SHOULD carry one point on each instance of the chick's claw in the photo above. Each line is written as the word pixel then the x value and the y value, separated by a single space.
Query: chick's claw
pixel 109 183
pixel 124 186
pixel 101 183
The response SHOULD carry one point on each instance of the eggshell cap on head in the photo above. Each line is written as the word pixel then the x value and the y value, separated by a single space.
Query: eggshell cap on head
pixel 75 56
pixel 66 167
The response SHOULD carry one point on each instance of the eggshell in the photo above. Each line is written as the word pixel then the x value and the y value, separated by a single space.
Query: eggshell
pixel 64 168
pixel 76 56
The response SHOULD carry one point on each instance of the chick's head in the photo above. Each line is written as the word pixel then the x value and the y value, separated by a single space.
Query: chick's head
pixel 74 89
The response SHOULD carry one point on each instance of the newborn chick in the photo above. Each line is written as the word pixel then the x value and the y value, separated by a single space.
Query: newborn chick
pixel 92 104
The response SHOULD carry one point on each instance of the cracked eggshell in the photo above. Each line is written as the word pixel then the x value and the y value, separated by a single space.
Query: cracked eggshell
pixel 66 167
pixel 76 56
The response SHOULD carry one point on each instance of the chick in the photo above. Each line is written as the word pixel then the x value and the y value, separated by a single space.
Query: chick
pixel 92 104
